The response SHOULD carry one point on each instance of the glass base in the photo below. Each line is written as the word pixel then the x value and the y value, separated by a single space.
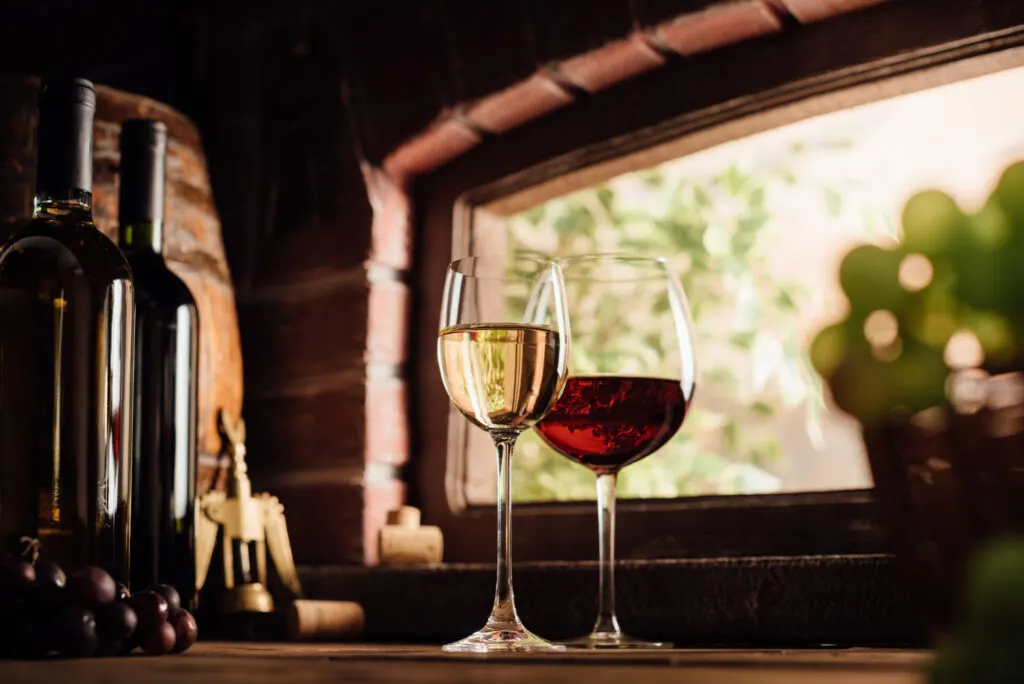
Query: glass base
pixel 503 639
pixel 613 640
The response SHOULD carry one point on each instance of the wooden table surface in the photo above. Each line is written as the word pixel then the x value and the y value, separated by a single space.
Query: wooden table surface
pixel 336 663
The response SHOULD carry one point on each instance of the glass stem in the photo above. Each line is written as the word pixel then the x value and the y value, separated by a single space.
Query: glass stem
pixel 503 614
pixel 606 620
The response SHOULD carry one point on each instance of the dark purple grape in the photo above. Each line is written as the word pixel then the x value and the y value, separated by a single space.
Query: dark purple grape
pixel 169 593
pixel 49 573
pixel 160 641
pixel 122 592
pixel 75 629
pixel 185 629
pixel 151 610
pixel 16 576
pixel 91 587
pixel 116 621
pixel 48 592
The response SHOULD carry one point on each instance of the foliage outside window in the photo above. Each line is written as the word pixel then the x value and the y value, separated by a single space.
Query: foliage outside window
pixel 714 228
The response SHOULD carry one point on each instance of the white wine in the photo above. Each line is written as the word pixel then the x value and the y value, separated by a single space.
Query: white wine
pixel 67 318
pixel 503 377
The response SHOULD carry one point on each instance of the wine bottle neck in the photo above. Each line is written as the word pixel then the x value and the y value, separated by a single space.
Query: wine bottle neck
pixel 64 147
pixel 142 235
pixel 143 172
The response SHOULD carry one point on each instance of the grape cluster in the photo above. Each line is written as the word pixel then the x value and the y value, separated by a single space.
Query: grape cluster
pixel 43 612
pixel 954 275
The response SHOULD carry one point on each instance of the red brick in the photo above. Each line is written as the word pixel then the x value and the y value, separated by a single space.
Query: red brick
pixel 388 322
pixel 718 26
pixel 387 421
pixel 816 10
pixel 519 103
pixel 608 65
pixel 779 6
pixel 391 233
pixel 436 146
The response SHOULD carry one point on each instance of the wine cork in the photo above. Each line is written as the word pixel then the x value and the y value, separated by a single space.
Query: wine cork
pixel 324 620
pixel 406 516
pixel 410 546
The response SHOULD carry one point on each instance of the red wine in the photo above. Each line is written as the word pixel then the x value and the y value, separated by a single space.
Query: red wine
pixel 166 378
pixel 67 316
pixel 606 422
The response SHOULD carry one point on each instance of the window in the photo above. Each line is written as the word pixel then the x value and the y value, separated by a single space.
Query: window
pixel 756 228
pixel 809 168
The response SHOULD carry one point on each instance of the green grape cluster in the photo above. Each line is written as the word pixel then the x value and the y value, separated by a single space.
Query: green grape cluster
pixel 953 272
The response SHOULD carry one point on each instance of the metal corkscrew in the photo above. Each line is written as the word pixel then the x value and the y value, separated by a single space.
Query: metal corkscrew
pixel 251 525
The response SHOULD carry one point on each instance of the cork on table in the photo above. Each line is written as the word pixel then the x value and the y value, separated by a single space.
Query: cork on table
pixel 315 663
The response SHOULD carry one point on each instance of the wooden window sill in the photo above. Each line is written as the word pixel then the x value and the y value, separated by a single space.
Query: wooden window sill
pixel 276 663
pixel 795 601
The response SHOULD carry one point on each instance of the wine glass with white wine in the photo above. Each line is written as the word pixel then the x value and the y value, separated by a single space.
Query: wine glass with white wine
pixel 503 349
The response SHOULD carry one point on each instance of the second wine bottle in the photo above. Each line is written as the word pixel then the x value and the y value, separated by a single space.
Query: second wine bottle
pixel 166 374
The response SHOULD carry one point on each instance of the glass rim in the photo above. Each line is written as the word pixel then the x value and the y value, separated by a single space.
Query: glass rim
pixel 463 265
pixel 647 268
pixel 624 257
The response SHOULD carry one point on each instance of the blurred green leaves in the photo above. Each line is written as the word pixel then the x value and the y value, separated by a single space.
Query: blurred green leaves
pixel 712 228
pixel 953 275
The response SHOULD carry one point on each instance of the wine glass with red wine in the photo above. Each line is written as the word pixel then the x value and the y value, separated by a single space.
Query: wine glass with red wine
pixel 626 395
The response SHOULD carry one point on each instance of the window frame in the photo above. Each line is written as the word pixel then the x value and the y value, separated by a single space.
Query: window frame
pixel 858 58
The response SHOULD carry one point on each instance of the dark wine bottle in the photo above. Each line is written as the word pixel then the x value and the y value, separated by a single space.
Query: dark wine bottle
pixel 67 321
pixel 167 374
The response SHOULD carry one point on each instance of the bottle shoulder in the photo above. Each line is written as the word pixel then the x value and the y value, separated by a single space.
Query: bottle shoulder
pixel 65 244
pixel 155 282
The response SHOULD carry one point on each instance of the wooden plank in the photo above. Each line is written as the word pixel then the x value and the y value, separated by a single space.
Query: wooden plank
pixel 257 663
pixel 806 601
